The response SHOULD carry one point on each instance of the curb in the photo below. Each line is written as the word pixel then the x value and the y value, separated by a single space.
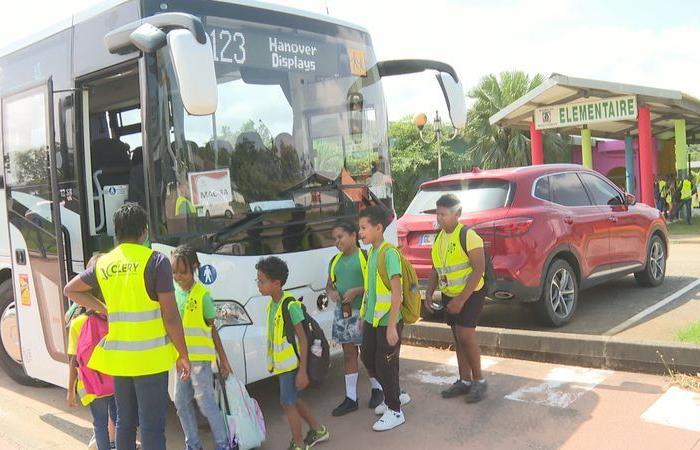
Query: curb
pixel 604 352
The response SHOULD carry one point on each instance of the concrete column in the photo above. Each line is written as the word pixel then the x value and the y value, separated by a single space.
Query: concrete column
pixel 586 148
pixel 536 145
pixel 646 177
pixel 681 147
pixel 629 165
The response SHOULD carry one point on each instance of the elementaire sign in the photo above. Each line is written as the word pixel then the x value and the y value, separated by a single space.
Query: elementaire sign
pixel 582 113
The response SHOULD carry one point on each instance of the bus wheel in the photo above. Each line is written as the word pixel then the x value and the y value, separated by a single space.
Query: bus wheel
pixel 10 354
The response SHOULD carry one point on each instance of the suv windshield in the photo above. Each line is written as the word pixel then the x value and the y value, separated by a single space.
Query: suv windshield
pixel 299 140
pixel 475 196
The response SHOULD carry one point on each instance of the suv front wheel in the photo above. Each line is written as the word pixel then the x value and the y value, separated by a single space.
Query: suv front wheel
pixel 655 270
pixel 559 295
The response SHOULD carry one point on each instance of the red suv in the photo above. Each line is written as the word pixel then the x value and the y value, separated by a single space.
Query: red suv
pixel 549 231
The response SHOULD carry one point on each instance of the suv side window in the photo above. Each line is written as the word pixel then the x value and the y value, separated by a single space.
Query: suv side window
pixel 601 191
pixel 566 189
pixel 542 188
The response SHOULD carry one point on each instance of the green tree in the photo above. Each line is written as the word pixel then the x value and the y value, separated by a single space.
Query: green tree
pixel 493 146
pixel 414 162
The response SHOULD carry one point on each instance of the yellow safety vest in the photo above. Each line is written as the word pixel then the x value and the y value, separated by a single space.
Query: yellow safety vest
pixel 382 305
pixel 336 258
pixel 454 268
pixel 281 356
pixel 686 190
pixel 136 343
pixel 200 344
pixel 188 205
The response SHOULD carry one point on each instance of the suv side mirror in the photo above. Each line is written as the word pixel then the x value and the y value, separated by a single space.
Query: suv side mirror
pixel 630 199
pixel 194 69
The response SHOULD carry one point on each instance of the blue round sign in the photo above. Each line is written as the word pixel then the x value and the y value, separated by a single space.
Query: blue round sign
pixel 207 274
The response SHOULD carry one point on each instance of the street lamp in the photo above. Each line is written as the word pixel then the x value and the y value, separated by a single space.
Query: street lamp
pixel 439 134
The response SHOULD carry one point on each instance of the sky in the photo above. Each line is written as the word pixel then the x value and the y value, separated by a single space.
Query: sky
pixel 637 42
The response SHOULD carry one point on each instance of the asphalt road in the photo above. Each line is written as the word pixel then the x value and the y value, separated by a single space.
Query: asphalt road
pixel 529 405
pixel 604 307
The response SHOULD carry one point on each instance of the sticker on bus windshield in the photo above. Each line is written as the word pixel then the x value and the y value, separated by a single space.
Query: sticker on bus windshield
pixel 212 187
pixel 357 62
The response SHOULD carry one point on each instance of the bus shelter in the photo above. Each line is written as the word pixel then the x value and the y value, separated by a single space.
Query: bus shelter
pixel 654 126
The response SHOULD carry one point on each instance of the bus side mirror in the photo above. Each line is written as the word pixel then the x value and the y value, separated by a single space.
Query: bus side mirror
pixel 454 97
pixel 194 69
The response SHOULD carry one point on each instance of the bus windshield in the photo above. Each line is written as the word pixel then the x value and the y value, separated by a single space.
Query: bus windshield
pixel 298 141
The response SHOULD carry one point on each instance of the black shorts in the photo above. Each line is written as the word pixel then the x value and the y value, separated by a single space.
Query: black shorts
pixel 469 315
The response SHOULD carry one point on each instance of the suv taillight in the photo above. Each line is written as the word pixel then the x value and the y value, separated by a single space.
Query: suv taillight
pixel 402 234
pixel 511 226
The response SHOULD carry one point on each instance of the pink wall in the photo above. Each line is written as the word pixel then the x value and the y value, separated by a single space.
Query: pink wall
pixel 608 155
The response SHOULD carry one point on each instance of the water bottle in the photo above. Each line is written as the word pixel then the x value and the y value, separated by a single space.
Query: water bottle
pixel 316 348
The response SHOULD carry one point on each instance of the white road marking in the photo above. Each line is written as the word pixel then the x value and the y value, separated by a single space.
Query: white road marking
pixel 656 306
pixel 677 408
pixel 443 375
pixel 561 387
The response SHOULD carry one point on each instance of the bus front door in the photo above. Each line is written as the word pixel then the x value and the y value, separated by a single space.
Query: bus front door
pixel 35 234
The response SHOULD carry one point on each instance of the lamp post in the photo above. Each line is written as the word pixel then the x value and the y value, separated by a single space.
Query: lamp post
pixel 440 134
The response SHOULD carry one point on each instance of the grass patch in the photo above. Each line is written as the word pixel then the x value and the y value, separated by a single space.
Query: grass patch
pixel 690 334
pixel 681 228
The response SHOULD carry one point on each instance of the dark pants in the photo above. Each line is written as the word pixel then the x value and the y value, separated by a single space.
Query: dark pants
pixel 383 360
pixel 141 402
pixel 687 204
pixel 102 409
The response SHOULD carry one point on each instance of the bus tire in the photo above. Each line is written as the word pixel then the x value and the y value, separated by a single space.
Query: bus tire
pixel 12 367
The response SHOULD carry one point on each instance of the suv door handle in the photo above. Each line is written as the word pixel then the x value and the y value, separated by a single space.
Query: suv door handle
pixel 568 220
pixel 612 219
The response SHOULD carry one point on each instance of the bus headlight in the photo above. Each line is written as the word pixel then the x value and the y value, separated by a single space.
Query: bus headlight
pixel 230 313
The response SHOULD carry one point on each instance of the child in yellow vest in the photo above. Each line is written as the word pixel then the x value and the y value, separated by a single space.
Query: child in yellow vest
pixel 203 345
pixel 102 409
pixel 346 287
pixel 282 357
pixel 381 318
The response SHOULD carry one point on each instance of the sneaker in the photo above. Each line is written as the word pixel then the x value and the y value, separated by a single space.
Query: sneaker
pixel 294 446
pixel 477 392
pixel 390 419
pixel 313 437
pixel 457 389
pixel 346 407
pixel 404 398
pixel 376 399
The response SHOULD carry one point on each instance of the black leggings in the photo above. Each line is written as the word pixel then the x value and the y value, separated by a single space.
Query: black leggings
pixel 383 360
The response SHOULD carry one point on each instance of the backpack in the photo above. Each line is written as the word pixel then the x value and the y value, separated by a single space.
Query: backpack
pixel 93 331
pixel 410 306
pixel 488 263
pixel 317 366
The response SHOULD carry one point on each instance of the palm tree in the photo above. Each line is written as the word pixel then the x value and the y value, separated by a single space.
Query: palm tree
pixel 492 146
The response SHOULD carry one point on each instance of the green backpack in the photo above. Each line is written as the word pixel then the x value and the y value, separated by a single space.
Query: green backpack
pixel 410 307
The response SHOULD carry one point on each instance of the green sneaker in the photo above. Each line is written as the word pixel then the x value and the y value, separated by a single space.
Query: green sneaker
pixel 313 437
pixel 293 446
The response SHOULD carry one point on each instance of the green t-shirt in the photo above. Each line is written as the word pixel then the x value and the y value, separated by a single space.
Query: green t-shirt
pixel 295 314
pixel 348 275
pixel 181 298
pixel 393 268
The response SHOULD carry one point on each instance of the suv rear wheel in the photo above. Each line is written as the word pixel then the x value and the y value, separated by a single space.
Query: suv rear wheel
pixel 655 270
pixel 559 295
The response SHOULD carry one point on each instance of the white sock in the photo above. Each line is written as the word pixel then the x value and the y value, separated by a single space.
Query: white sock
pixel 351 386
pixel 375 383
pixel 467 382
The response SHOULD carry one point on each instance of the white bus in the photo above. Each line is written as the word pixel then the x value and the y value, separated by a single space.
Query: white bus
pixel 244 129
